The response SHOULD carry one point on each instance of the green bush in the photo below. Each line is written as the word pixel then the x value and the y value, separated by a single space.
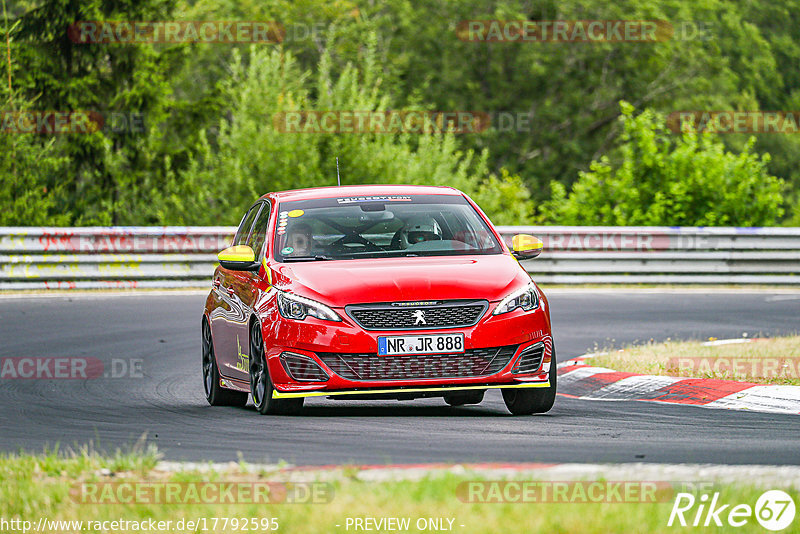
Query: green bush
pixel 658 177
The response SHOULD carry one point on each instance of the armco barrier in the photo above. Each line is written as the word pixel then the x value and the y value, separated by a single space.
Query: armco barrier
pixel 162 257
pixel 663 255
pixel 110 257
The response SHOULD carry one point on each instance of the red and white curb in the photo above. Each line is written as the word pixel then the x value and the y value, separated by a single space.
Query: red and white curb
pixel 578 379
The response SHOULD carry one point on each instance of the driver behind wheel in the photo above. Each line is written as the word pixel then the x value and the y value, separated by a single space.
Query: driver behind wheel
pixel 299 239
pixel 419 229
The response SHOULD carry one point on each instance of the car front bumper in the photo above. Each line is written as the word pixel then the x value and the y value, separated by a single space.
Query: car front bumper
pixel 312 337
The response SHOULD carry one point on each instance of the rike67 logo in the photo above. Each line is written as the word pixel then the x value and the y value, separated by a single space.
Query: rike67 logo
pixel 774 510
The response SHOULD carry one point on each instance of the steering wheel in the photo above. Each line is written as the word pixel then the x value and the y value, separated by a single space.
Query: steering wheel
pixel 342 243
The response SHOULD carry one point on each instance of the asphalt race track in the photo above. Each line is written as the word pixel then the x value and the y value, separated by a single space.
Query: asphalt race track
pixel 167 402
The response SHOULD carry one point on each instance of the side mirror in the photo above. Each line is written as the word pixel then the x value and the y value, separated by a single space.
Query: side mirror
pixel 526 247
pixel 238 258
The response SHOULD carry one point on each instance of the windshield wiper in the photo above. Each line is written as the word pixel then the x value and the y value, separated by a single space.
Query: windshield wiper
pixel 317 257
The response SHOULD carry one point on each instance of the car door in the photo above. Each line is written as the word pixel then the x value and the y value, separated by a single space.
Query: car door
pixel 243 285
pixel 228 318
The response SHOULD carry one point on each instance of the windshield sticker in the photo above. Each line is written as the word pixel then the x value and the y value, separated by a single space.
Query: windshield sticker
pixel 287 250
pixel 296 213
pixel 382 198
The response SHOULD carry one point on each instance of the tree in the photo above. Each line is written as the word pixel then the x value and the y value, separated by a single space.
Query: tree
pixel 27 196
pixel 742 58
pixel 109 172
pixel 28 164
pixel 250 155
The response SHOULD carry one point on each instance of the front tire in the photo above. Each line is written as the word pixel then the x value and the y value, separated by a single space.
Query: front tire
pixel 260 382
pixel 537 400
pixel 216 395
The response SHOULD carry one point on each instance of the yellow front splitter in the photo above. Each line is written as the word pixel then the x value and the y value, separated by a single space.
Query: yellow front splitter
pixel 290 395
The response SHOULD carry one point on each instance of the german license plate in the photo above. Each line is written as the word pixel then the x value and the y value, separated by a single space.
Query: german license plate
pixel 420 344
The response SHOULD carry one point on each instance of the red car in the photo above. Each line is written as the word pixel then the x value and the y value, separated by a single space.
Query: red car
pixel 375 292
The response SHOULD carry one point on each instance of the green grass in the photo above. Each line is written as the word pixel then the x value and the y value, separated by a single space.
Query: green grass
pixel 782 354
pixel 36 486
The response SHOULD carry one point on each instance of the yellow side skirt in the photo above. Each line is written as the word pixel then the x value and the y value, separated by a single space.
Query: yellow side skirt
pixel 280 395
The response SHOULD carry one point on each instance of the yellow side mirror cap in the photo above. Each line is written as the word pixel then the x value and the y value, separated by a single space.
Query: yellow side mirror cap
pixel 238 258
pixel 525 247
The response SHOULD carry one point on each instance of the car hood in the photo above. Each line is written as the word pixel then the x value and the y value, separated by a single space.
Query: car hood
pixel 338 283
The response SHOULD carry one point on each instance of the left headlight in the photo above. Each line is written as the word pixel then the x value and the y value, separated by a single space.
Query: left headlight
pixel 526 298
pixel 298 308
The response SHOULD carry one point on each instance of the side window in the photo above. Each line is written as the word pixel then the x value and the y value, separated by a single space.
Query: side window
pixel 259 234
pixel 244 228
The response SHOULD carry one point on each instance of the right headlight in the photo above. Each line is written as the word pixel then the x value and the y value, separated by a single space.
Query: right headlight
pixel 298 308
pixel 526 298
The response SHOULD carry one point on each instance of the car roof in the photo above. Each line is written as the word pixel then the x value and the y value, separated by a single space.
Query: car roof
pixel 360 190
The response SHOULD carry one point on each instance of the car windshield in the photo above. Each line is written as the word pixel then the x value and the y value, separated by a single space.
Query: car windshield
pixel 381 226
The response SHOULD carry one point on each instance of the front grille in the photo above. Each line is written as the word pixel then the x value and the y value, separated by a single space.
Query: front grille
pixel 406 316
pixel 530 359
pixel 471 363
pixel 302 368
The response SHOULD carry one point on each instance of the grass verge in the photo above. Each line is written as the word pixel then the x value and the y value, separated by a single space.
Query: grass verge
pixel 763 361
pixel 43 486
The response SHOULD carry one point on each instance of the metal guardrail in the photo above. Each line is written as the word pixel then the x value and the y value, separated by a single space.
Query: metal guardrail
pixel 165 257
pixel 110 257
pixel 663 255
